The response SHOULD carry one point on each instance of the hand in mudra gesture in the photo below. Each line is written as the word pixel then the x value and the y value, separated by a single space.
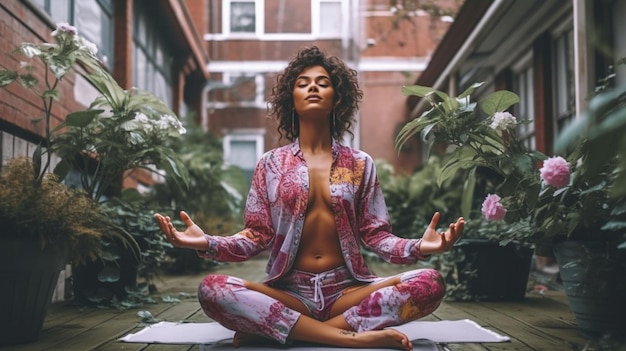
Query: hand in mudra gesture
pixel 437 242
pixel 192 237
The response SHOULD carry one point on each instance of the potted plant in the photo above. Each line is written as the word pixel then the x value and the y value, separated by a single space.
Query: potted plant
pixel 485 155
pixel 551 202
pixel 121 131
pixel 592 258
pixel 45 224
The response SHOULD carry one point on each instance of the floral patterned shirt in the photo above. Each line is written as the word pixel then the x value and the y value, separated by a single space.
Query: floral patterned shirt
pixel 277 203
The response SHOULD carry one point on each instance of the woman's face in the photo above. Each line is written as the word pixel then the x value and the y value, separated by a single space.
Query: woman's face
pixel 313 92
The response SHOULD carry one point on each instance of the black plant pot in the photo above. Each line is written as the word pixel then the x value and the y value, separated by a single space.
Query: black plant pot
pixel 594 279
pixel 29 276
pixel 492 272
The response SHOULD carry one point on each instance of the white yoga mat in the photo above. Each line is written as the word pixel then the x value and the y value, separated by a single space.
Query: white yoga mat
pixel 459 331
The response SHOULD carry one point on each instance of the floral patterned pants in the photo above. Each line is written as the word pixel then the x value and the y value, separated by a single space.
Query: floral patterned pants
pixel 226 300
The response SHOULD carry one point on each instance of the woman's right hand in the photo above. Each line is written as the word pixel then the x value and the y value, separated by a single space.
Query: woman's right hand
pixel 191 238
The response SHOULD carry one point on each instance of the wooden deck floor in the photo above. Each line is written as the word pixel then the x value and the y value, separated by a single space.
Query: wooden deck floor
pixel 540 322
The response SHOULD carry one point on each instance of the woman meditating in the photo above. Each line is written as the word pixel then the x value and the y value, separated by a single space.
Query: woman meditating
pixel 313 203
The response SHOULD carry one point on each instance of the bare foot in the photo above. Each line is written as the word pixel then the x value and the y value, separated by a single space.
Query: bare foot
pixel 390 338
pixel 386 338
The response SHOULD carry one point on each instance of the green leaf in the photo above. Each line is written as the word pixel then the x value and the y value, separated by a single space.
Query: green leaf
pixel 51 93
pixel 417 90
pixel 27 80
pixel 410 129
pixel 461 158
pixel 37 164
pixel 468 193
pixel 60 65
pixel 615 121
pixel 469 91
pixel 7 77
pixel 110 90
pixel 62 169
pixel 81 119
pixel 498 101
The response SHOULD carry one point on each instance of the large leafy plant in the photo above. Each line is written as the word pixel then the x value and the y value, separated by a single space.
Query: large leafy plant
pixel 120 131
pixel 473 143
pixel 565 199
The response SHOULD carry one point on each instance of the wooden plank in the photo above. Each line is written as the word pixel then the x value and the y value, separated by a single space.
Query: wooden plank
pixel 543 315
pixel 537 323
pixel 456 311
pixel 529 336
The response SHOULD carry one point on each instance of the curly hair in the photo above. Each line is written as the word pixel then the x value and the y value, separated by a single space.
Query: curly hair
pixel 347 97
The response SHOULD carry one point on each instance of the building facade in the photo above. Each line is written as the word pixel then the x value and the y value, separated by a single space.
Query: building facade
pixel 552 54
pixel 151 45
pixel 250 41
pixel 217 60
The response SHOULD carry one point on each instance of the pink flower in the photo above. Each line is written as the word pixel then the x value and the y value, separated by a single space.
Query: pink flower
pixel 555 172
pixel 492 209
pixel 65 28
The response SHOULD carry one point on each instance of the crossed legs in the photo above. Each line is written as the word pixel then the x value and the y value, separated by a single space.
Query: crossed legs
pixel 357 317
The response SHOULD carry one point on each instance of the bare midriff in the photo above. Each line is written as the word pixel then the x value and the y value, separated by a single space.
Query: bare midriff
pixel 319 245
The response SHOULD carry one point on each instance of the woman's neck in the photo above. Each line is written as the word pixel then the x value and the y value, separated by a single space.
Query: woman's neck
pixel 314 138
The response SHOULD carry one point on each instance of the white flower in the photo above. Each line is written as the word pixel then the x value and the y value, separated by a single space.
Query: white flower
pixel 162 124
pixel 85 44
pixel 503 121
pixel 174 123
pixel 64 28
pixel 141 118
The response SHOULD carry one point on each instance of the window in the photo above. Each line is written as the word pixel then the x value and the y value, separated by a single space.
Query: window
pixel 151 56
pixel 243 148
pixel 524 111
pixel 563 68
pixel 242 17
pixel 280 20
pixel 246 89
pixel 58 10
pixel 330 18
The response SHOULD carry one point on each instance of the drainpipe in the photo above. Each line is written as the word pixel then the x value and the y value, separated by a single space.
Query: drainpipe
pixel 206 90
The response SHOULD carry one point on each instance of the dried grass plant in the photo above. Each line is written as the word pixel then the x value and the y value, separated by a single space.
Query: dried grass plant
pixel 50 213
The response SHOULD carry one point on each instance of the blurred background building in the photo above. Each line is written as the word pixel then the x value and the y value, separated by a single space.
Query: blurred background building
pixel 215 61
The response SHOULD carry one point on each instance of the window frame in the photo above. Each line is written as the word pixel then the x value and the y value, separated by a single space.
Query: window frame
pixel 260 34
pixel 563 82
pixel 523 85
pixel 256 135
pixel 259 19
pixel 228 78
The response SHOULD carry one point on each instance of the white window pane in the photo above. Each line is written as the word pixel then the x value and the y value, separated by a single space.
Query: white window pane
pixel 330 18
pixel 141 66
pixel 242 17
pixel 243 153
pixel 88 21
pixel 60 10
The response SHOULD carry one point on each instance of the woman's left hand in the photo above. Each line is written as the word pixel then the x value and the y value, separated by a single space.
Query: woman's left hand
pixel 436 242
